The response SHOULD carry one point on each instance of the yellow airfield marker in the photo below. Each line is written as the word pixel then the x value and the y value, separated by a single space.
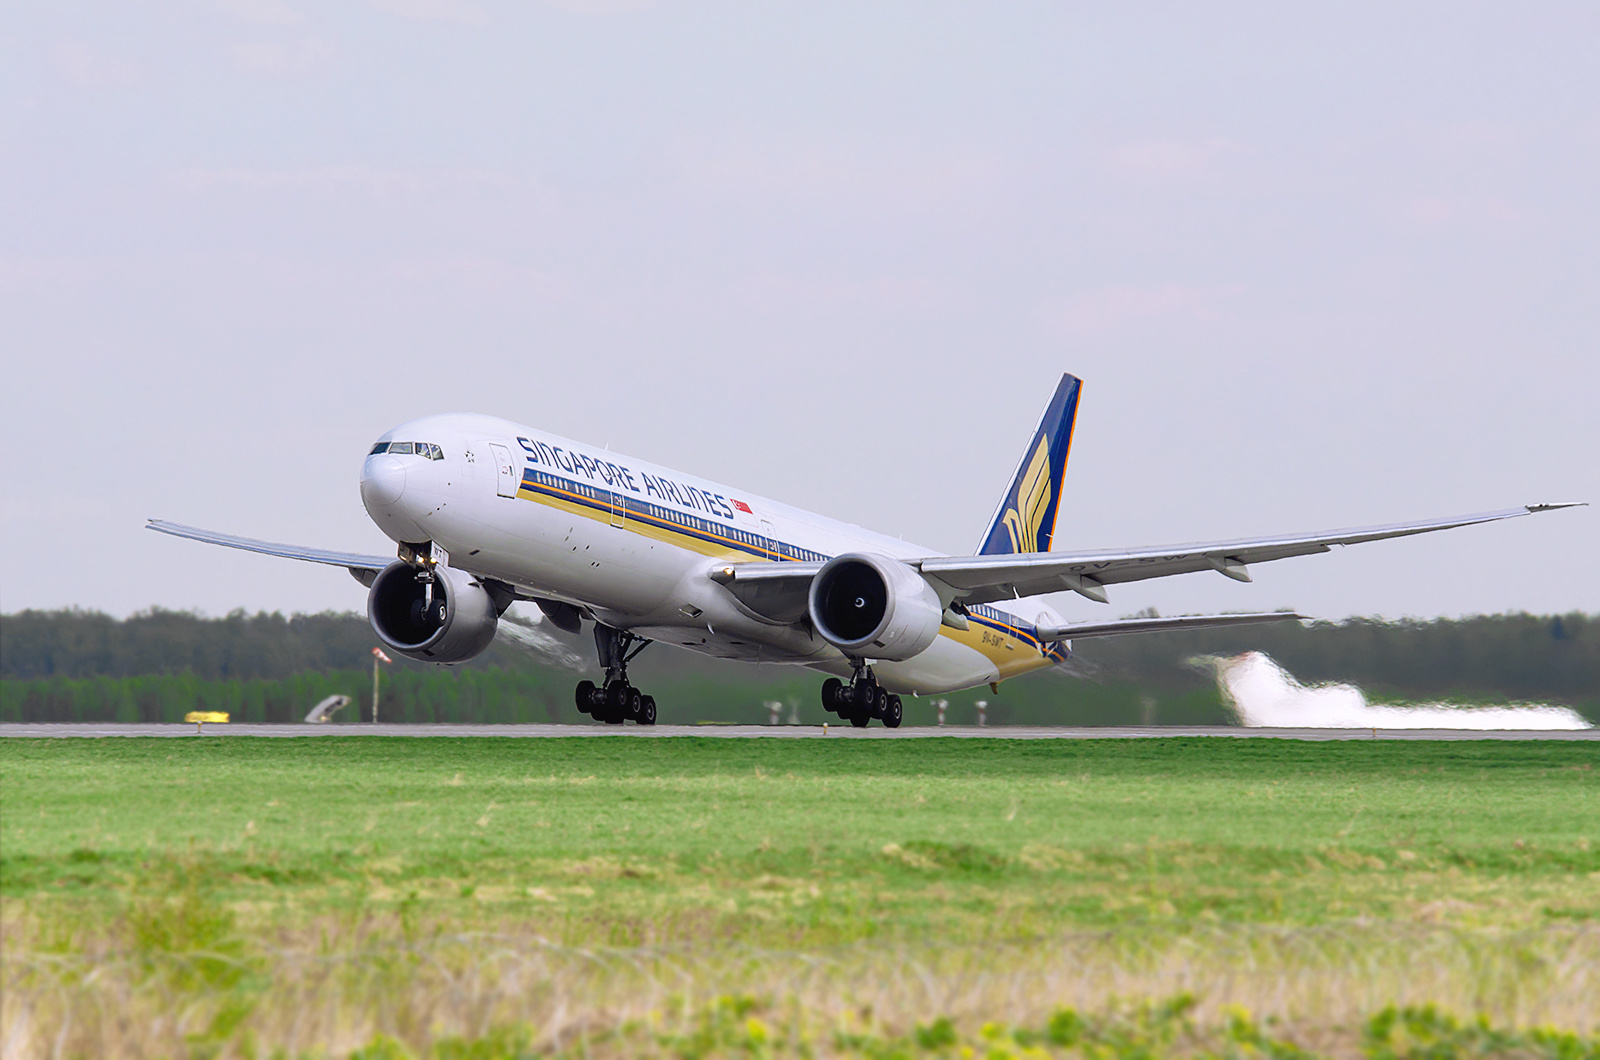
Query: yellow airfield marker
pixel 200 717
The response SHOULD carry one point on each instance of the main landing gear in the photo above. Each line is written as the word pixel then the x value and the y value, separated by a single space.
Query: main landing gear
pixel 616 701
pixel 862 699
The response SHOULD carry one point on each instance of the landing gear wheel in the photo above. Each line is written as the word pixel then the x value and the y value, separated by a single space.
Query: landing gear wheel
pixel 880 702
pixel 615 697
pixel 618 700
pixel 860 699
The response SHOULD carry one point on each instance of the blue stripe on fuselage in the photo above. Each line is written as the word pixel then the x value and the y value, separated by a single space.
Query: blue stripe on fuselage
pixel 601 500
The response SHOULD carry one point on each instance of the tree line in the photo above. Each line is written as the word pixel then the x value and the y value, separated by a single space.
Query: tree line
pixel 77 665
pixel 79 644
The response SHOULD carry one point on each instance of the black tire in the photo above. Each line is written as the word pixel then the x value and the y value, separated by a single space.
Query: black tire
pixel 880 702
pixel 894 713
pixel 864 698
pixel 616 708
pixel 585 697
pixel 647 710
pixel 633 701
pixel 860 721
pixel 832 690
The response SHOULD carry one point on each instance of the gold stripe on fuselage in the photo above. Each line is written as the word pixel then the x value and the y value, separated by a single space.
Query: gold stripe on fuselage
pixel 1011 652
pixel 637 523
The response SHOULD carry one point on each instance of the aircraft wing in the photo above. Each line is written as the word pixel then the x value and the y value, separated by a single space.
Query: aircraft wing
pixel 363 567
pixel 779 589
pixel 981 579
pixel 1079 630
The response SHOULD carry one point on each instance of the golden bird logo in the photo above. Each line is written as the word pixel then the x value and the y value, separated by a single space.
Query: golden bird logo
pixel 1024 519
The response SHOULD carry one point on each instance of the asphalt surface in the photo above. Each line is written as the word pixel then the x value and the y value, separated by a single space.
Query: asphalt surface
pixel 832 732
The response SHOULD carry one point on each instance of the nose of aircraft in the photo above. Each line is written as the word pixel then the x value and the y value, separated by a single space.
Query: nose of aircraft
pixel 383 480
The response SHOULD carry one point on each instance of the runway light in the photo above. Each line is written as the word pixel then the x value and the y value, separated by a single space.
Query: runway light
pixel 200 717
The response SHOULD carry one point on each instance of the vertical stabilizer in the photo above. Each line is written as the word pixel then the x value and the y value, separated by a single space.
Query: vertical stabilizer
pixel 1026 520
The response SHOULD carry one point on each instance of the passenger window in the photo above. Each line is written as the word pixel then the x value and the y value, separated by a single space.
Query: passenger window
pixel 400 448
pixel 380 447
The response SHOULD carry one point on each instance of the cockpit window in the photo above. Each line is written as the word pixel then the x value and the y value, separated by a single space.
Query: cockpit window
pixel 426 450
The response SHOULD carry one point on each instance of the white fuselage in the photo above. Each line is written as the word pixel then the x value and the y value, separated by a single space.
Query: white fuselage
pixel 634 543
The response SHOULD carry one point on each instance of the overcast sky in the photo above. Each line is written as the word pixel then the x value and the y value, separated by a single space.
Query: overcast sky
pixel 1319 265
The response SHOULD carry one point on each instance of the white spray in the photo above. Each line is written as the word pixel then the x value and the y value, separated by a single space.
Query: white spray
pixel 1264 695
pixel 533 633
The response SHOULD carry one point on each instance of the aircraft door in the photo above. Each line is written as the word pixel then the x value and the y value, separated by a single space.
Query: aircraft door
pixel 505 472
pixel 619 507
pixel 770 539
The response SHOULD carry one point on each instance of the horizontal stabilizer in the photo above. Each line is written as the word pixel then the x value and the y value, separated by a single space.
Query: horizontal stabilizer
pixel 1161 625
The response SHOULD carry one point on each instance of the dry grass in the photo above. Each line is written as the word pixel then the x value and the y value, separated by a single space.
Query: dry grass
pixel 332 986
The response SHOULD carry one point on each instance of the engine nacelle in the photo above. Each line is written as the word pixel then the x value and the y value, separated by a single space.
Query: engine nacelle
pixel 452 624
pixel 874 607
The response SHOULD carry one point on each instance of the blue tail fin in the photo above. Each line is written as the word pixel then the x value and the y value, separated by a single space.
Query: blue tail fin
pixel 1026 520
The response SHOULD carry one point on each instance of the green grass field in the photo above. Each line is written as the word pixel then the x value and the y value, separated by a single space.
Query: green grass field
pixel 615 896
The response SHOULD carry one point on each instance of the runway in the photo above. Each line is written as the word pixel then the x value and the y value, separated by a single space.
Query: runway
pixel 790 732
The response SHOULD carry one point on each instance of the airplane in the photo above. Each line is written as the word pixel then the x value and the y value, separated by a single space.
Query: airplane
pixel 485 513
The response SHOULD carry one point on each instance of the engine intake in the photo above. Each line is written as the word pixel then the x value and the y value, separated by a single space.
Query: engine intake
pixel 453 624
pixel 875 607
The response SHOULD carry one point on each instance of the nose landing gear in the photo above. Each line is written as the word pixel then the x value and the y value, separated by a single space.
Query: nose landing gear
pixel 862 699
pixel 616 701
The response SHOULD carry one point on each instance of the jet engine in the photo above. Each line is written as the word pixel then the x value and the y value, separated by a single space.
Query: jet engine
pixel 447 619
pixel 874 607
